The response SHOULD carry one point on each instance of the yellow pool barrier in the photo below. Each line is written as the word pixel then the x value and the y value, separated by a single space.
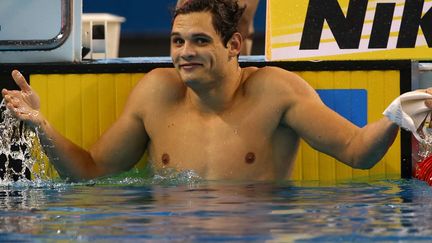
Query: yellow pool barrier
pixel 83 106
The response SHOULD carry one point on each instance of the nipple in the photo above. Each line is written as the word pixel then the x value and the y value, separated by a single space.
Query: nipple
pixel 250 158
pixel 165 158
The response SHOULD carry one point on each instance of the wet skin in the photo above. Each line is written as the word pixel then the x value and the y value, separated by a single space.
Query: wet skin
pixel 211 116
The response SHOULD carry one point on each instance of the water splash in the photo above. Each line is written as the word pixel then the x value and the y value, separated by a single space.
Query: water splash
pixel 175 177
pixel 150 176
pixel 20 150
pixel 23 163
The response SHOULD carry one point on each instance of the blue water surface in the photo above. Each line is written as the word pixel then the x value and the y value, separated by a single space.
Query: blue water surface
pixel 184 208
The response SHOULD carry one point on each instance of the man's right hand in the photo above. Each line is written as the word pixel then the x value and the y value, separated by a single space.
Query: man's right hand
pixel 24 103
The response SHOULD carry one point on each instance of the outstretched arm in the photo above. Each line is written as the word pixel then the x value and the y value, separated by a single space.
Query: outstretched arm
pixel 328 132
pixel 357 147
pixel 117 150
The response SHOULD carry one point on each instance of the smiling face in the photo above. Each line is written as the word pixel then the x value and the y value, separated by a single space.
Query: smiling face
pixel 197 51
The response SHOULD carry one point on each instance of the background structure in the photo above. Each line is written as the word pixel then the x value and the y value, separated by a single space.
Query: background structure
pixel 148 24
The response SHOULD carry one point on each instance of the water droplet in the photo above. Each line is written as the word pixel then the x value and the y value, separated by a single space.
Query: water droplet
pixel 18 142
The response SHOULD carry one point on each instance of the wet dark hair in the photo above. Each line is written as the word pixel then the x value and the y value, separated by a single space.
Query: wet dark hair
pixel 226 14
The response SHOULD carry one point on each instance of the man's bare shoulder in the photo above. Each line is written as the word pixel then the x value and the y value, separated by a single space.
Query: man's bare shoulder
pixel 274 79
pixel 272 73
pixel 163 82
pixel 161 87
pixel 161 76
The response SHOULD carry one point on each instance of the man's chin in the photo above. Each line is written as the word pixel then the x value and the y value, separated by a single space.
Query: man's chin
pixel 187 78
pixel 189 81
pixel 192 83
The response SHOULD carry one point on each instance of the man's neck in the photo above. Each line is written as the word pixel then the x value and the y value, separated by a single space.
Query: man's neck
pixel 219 96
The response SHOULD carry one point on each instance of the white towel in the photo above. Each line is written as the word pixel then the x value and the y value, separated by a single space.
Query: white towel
pixel 409 112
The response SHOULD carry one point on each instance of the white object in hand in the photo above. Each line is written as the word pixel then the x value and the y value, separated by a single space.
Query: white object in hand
pixel 410 112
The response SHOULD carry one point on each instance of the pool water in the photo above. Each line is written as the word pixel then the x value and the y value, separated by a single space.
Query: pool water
pixel 187 209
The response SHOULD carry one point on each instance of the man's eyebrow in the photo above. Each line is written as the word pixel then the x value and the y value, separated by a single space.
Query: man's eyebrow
pixel 199 34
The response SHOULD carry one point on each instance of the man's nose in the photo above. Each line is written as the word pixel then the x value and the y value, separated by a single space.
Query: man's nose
pixel 188 51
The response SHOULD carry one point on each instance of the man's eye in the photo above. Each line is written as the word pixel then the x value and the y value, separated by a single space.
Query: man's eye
pixel 177 41
pixel 201 40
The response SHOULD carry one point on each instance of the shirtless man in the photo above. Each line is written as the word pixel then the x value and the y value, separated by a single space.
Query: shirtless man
pixel 209 115
pixel 246 23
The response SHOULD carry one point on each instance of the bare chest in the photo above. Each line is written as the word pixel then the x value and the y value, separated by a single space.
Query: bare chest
pixel 233 145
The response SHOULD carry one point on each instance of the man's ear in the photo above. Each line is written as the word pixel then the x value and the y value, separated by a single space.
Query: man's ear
pixel 235 44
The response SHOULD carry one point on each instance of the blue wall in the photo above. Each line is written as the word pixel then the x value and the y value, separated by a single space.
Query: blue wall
pixel 144 17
